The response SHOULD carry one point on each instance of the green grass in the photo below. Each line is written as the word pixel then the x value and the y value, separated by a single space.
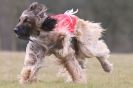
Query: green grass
pixel 121 77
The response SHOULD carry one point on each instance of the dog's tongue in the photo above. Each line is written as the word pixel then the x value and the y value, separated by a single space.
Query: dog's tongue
pixel 65 20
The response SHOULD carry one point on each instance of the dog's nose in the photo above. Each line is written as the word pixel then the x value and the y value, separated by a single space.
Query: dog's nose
pixel 15 30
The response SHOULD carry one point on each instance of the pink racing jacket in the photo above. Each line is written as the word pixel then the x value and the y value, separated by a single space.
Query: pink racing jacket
pixel 66 20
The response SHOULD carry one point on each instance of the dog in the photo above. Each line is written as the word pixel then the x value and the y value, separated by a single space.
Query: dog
pixel 70 38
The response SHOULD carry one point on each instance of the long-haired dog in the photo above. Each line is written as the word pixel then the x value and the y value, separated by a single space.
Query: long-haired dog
pixel 68 37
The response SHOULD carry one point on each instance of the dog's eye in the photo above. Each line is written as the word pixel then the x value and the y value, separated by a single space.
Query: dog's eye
pixel 25 20
pixel 28 20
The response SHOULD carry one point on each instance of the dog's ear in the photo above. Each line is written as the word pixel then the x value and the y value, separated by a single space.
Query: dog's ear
pixel 48 24
pixel 33 6
pixel 37 8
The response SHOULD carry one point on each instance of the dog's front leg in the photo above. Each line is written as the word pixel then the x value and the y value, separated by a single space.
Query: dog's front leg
pixel 66 43
pixel 32 63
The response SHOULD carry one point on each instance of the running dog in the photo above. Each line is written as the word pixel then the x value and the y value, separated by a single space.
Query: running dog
pixel 68 37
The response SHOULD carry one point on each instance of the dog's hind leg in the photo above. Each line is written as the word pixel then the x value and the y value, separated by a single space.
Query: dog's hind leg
pixel 106 65
pixel 32 63
pixel 98 50
pixel 81 60
pixel 102 53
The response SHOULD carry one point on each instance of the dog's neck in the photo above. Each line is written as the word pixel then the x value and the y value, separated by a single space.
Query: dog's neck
pixel 48 38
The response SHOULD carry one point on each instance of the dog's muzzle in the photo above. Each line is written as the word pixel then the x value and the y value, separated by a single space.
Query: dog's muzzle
pixel 22 32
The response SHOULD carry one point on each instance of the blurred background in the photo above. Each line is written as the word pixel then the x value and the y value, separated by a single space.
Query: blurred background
pixel 116 17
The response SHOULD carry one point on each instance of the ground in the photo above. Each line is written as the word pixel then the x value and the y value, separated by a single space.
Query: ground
pixel 121 77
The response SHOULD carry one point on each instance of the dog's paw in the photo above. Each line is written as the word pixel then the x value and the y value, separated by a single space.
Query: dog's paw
pixel 22 81
pixel 107 67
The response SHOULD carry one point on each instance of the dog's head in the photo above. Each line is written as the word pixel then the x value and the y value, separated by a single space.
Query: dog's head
pixel 29 20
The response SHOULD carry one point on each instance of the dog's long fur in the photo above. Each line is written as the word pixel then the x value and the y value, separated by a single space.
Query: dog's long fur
pixel 71 51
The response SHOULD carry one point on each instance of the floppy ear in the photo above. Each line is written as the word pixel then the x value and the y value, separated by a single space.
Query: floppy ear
pixel 48 24
pixel 37 8
pixel 33 6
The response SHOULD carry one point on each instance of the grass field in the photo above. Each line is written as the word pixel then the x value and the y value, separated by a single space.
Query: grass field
pixel 121 77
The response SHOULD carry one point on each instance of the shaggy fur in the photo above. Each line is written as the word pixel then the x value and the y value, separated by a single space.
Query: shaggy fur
pixel 71 50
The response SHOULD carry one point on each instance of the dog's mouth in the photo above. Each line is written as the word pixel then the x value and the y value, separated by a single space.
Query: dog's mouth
pixel 22 33
pixel 23 37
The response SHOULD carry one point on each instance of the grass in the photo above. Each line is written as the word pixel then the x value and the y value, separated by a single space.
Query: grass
pixel 121 77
